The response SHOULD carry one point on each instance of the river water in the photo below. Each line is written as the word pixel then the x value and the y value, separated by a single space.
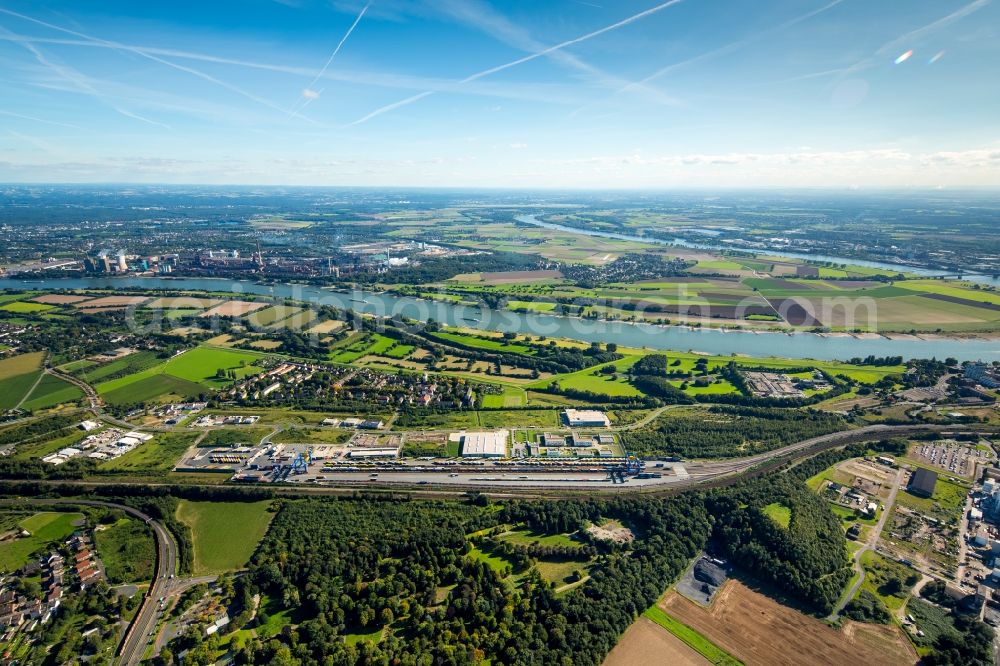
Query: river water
pixel 718 247
pixel 714 341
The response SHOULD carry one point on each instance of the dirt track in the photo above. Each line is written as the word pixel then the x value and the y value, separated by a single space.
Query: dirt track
pixel 646 642
pixel 759 630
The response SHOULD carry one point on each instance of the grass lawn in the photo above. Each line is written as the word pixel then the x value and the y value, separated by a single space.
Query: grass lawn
pixel 380 344
pixel 363 636
pixel 157 456
pixel 234 437
pixel 536 306
pixel 712 652
pixel 511 396
pixel 526 537
pixel 200 365
pixel 519 418
pixel 399 352
pixel 45 527
pixel 591 379
pixel 312 436
pixel 22 307
pixel 225 533
pixel 779 513
pixel 127 550
pixel 476 342
pixel 499 564
pixel 20 364
pixel 560 572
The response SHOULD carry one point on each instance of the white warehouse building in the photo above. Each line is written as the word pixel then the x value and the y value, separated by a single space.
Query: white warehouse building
pixel 485 444
pixel 586 417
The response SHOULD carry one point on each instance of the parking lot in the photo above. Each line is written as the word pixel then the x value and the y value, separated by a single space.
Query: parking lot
pixel 957 458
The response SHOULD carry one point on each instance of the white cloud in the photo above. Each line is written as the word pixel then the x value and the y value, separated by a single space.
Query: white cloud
pixel 863 169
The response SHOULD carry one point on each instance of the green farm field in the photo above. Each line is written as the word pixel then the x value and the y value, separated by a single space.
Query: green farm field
pixel 131 364
pixel 52 391
pixel 271 315
pixel 13 389
pixel 151 387
pixel 21 364
pixel 187 374
pixel 225 533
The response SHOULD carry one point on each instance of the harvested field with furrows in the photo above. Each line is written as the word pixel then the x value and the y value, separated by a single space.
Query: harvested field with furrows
pixel 233 309
pixel 112 302
pixel 758 630
pixel 60 299
pixel 646 642
pixel 183 303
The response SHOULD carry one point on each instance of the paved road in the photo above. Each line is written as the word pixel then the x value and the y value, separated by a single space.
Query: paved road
pixel 96 402
pixel 169 630
pixel 137 635
pixel 869 544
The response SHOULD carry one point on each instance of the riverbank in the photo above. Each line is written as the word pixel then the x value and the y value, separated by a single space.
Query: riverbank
pixel 626 334
pixel 723 326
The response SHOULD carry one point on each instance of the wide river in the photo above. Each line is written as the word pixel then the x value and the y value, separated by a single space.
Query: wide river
pixel 800 345
pixel 776 252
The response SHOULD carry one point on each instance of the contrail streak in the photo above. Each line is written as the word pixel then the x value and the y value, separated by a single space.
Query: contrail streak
pixel 481 16
pixel 729 48
pixel 37 120
pixel 295 109
pixel 131 49
pixel 80 82
pixel 520 61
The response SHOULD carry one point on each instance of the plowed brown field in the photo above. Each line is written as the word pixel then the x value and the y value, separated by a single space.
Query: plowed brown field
pixel 759 630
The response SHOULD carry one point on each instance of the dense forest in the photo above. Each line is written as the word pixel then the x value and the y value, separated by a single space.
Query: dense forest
pixel 405 569
pixel 727 431
pixel 807 559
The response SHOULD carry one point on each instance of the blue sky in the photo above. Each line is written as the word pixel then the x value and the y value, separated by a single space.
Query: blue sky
pixel 519 93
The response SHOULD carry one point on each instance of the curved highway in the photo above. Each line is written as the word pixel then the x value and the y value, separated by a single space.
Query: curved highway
pixel 136 637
